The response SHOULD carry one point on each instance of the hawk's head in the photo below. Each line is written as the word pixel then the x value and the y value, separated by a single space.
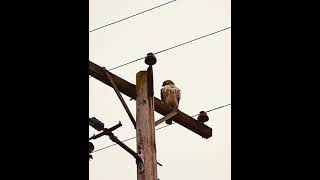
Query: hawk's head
pixel 167 82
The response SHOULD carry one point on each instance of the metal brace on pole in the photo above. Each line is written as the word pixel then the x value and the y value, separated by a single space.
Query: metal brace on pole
pixel 120 97
pixel 108 132
pixel 165 118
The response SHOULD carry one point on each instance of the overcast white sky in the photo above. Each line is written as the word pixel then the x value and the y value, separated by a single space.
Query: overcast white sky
pixel 201 69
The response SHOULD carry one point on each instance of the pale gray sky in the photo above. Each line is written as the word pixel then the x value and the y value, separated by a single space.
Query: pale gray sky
pixel 201 69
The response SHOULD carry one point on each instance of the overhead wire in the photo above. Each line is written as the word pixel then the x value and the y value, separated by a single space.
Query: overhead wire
pixel 159 128
pixel 131 16
pixel 167 49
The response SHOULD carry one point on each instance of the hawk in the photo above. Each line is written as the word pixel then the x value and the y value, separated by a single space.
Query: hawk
pixel 170 95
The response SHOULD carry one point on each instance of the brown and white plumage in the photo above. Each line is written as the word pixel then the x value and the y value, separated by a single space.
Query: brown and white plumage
pixel 170 94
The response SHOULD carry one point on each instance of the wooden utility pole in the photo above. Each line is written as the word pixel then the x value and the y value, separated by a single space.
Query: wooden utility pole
pixel 145 125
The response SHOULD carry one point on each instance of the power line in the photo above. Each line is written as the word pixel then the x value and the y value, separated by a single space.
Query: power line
pixel 131 16
pixel 187 42
pixel 214 109
pixel 192 40
pixel 113 144
pixel 159 128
